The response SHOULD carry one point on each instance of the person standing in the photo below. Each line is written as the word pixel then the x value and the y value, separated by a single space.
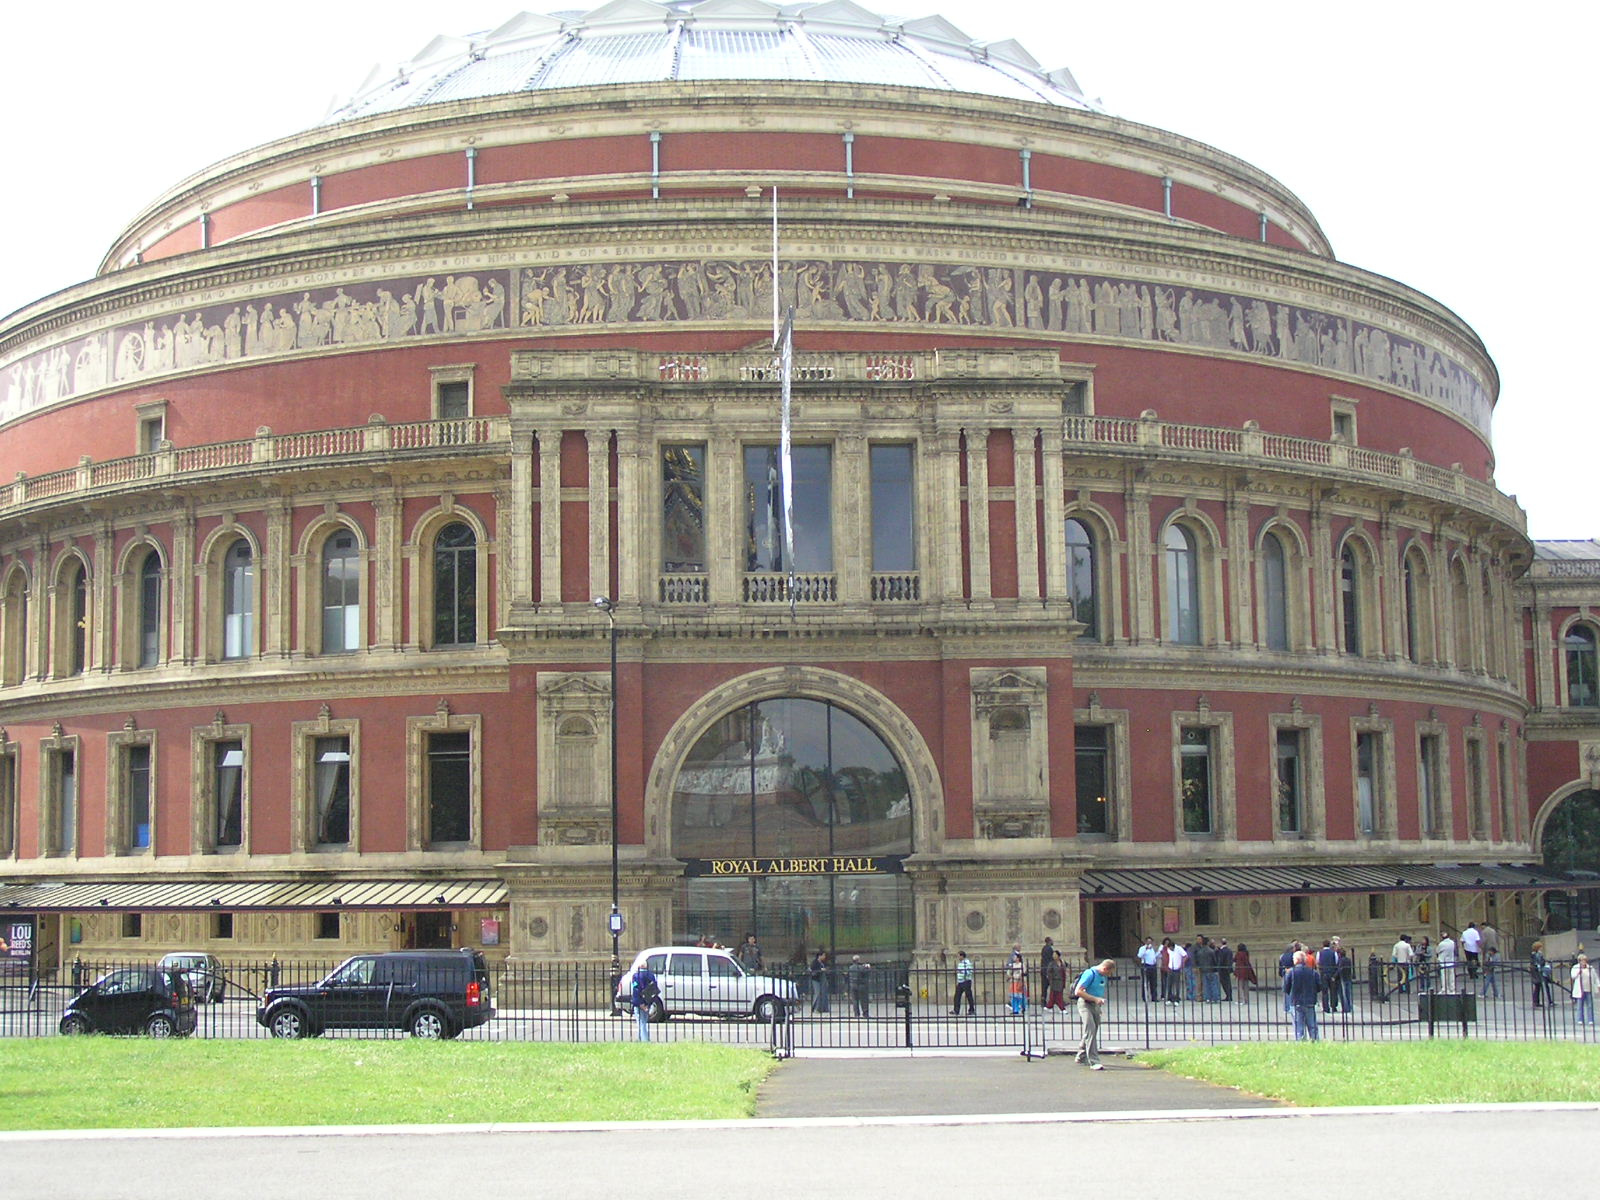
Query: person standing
pixel 1491 968
pixel 1346 975
pixel 1017 982
pixel 1471 947
pixel 644 993
pixel 1584 983
pixel 1224 960
pixel 750 954
pixel 1447 963
pixel 858 976
pixel 1172 957
pixel 1285 965
pixel 1244 972
pixel 1300 987
pixel 819 982
pixel 963 985
pixel 1539 968
pixel 1401 956
pixel 1047 954
pixel 1055 982
pixel 1150 969
pixel 1090 992
pixel 1328 968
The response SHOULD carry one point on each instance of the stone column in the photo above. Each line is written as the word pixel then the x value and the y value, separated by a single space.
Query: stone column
pixel 1026 502
pixel 978 514
pixel 385 567
pixel 599 446
pixel 277 571
pixel 1053 537
pixel 549 441
pixel 180 589
pixel 514 528
pixel 852 518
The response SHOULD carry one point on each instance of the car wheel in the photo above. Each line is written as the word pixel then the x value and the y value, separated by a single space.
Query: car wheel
pixel 766 1010
pixel 428 1023
pixel 73 1025
pixel 658 1013
pixel 288 1023
pixel 160 1026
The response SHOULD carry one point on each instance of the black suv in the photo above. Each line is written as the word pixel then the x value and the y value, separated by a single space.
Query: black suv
pixel 431 993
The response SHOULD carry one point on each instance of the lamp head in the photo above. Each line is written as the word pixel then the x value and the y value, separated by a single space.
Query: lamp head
pixel 604 604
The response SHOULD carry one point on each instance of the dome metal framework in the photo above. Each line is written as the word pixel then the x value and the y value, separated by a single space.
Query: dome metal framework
pixel 638 41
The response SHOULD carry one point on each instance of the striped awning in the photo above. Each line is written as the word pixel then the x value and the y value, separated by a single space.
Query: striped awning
pixel 243 895
pixel 1124 883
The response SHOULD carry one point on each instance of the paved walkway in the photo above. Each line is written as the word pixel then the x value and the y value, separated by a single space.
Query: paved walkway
pixel 900 1085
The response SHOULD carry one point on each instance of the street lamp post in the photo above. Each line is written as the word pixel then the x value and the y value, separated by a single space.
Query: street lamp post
pixel 614 921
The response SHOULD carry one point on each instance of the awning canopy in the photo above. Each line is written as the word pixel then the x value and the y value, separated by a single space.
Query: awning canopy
pixel 237 895
pixel 1126 883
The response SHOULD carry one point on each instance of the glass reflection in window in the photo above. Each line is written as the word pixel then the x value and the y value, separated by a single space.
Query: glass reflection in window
pixel 813 520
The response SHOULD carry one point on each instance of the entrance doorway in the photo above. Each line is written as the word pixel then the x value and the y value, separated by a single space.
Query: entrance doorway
pixel 1115 925
pixel 433 930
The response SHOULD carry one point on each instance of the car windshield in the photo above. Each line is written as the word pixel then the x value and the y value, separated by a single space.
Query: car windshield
pixel 183 962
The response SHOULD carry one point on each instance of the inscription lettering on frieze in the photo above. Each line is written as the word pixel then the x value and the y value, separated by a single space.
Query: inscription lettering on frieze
pixel 828 864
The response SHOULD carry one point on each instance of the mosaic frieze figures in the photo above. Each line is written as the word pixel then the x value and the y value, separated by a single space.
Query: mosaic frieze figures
pixel 700 291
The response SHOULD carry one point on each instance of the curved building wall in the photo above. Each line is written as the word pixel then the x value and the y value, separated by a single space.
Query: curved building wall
pixel 441 429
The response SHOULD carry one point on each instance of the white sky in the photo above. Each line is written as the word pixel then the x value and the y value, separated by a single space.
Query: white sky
pixel 1448 145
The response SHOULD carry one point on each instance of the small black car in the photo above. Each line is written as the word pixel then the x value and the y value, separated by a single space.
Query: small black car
pixel 429 993
pixel 149 1000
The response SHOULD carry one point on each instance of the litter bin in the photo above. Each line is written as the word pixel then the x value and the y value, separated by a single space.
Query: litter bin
pixel 1448 1006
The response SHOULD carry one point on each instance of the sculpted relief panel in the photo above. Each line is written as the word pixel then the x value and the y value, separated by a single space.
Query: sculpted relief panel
pixel 697 291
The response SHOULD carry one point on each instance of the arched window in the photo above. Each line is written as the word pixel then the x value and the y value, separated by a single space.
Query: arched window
pixel 455 586
pixel 16 628
pixel 1581 664
pixel 1461 612
pixel 238 601
pixel 1350 583
pixel 1274 592
pixel 150 611
pixel 1081 578
pixel 341 593
pixel 72 640
pixel 1183 586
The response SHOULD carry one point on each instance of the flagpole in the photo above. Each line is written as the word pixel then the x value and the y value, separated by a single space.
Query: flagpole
pixel 783 348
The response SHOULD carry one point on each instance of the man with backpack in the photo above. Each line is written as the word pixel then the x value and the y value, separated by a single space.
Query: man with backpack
pixel 643 995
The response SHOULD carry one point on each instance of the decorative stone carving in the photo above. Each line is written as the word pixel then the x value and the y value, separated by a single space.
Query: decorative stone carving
pixel 1010 766
pixel 574 758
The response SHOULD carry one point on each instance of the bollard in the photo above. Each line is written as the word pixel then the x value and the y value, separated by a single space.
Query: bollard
pixel 902 1000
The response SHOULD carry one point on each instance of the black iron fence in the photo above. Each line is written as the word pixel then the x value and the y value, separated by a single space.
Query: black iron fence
pixel 885 1007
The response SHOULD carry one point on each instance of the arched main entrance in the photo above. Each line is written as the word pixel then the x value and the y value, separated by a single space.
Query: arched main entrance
pixel 792 817
pixel 1570 841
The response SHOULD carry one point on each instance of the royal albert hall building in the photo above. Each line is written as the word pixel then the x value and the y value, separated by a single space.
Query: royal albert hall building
pixel 1148 570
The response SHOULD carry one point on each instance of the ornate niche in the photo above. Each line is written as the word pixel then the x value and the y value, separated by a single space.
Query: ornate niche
pixel 1010 762
pixel 574 758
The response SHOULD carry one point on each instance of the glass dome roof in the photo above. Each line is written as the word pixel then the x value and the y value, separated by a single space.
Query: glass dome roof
pixel 638 41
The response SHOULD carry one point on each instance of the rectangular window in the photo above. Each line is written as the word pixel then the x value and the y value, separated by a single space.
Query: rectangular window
pixel 132 925
pixel 1093 778
pixel 894 533
pixel 1477 802
pixel 8 804
pixel 453 399
pixel 1368 783
pixel 1299 908
pixel 1377 906
pixel 331 780
pixel 227 783
pixel 1205 912
pixel 61 779
pixel 449 787
pixel 1195 779
pixel 222 926
pixel 683 509
pixel 328 926
pixel 812 485
pixel 1430 785
pixel 136 789
pixel 150 612
pixel 1290 782
pixel 152 432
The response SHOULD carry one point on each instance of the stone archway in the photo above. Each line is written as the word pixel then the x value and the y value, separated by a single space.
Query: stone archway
pixel 800 682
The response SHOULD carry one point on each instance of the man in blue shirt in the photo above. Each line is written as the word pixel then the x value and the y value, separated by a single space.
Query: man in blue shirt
pixel 1091 995
pixel 1300 989
pixel 1149 959
pixel 963 985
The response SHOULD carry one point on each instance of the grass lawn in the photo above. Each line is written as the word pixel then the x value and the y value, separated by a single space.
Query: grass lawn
pixel 127 1083
pixel 1454 1072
